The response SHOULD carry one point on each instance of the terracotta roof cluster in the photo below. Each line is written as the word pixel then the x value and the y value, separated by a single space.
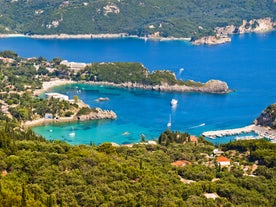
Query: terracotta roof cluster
pixel 180 163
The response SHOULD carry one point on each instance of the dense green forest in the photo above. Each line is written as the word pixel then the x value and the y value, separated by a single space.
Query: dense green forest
pixel 124 72
pixel 36 172
pixel 178 18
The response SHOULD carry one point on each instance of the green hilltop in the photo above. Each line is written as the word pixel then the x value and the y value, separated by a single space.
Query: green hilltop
pixel 178 18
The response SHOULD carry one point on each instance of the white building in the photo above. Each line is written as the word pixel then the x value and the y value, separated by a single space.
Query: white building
pixel 57 96
pixel 223 161
pixel 73 65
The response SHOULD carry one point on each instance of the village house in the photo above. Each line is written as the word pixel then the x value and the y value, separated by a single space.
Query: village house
pixel 223 161
pixel 7 60
pixel 217 152
pixel 57 96
pixel 48 116
pixel 73 65
pixel 193 139
pixel 180 163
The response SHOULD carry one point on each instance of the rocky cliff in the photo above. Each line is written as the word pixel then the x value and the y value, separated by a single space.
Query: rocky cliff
pixel 212 86
pixel 268 117
pixel 211 40
pixel 254 25
pixel 98 113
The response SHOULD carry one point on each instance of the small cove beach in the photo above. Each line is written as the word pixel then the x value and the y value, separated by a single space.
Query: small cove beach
pixel 47 85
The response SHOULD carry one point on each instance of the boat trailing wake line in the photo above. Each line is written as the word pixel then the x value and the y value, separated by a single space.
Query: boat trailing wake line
pixel 200 125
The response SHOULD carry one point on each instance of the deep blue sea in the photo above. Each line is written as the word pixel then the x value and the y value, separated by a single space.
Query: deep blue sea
pixel 247 64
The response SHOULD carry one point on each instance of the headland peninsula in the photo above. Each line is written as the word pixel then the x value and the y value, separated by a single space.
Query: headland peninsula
pixel 23 80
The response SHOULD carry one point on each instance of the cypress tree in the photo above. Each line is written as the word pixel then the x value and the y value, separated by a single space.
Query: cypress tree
pixel 23 196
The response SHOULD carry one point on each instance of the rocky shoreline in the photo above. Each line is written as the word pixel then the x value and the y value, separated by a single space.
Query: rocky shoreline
pixel 212 86
pixel 222 33
pixel 97 114
pixel 95 36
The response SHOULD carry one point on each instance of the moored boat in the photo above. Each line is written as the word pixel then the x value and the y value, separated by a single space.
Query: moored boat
pixel 174 102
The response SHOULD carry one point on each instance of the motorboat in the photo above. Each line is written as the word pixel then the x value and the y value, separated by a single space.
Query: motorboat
pixel 174 102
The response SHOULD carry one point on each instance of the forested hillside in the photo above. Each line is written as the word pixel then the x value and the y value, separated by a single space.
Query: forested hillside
pixel 178 18
pixel 36 172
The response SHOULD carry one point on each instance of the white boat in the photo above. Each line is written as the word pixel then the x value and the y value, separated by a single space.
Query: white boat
pixel 169 124
pixel 102 99
pixel 174 102
pixel 72 134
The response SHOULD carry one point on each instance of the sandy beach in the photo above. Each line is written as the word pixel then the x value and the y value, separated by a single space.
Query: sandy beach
pixel 79 36
pixel 52 83
pixel 43 121
pixel 11 35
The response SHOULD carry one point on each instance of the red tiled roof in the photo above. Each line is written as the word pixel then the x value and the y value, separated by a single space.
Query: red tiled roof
pixel 193 138
pixel 180 163
pixel 222 159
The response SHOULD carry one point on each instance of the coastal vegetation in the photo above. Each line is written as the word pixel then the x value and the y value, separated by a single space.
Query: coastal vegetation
pixel 36 172
pixel 177 18
pixel 120 72
pixel 21 77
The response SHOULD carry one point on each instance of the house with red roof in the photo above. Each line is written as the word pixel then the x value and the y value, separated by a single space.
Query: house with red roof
pixel 223 161
pixel 180 163
pixel 193 138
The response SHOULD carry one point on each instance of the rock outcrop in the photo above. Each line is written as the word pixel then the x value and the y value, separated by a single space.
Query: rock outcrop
pixel 212 40
pixel 94 115
pixel 212 86
pixel 254 25
pixel 216 86
pixel 268 117
pixel 98 113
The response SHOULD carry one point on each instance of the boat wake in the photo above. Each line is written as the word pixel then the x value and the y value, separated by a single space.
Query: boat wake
pixel 200 125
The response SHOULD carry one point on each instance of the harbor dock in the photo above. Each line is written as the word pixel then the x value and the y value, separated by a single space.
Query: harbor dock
pixel 263 132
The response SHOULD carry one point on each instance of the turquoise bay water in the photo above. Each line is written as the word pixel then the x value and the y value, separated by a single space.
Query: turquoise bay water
pixel 247 64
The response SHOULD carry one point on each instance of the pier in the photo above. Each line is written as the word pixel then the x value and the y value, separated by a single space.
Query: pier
pixel 263 132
